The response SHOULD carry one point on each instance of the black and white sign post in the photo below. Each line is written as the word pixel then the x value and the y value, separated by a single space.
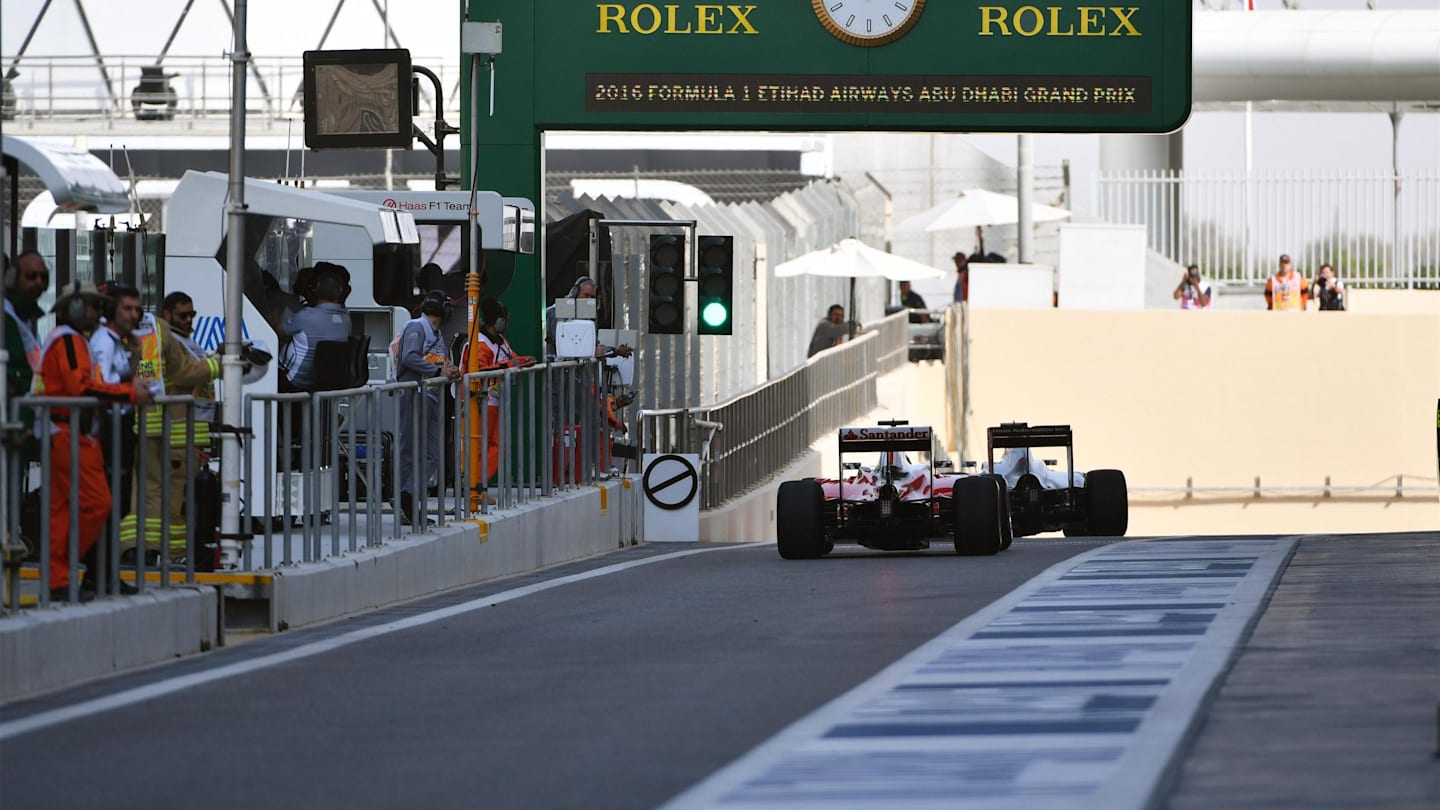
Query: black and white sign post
pixel 671 485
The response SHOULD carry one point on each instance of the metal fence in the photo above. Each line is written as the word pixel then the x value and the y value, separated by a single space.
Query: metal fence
pixel 323 467
pixel 82 87
pixel 746 440
pixel 1376 229
pixel 30 474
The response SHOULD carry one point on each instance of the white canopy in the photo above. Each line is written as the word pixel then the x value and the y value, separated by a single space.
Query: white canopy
pixel 976 206
pixel 851 258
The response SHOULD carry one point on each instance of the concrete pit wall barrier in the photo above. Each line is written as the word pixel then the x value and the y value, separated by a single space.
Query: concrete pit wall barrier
pixel 1221 398
pixel 44 650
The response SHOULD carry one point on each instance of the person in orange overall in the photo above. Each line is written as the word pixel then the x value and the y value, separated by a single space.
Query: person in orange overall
pixel 66 370
pixel 488 350
pixel 1287 290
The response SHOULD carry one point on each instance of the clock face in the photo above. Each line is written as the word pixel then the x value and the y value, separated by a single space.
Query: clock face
pixel 868 22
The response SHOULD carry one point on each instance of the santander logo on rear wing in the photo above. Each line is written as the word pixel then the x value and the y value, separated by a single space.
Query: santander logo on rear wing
pixel 906 437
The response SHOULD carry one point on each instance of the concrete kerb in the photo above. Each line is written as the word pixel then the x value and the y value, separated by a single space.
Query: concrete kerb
pixel 45 650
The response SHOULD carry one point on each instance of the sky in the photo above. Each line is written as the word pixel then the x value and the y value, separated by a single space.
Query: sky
pixel 429 28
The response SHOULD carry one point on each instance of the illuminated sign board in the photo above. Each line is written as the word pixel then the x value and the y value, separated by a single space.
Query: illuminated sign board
pixel 894 65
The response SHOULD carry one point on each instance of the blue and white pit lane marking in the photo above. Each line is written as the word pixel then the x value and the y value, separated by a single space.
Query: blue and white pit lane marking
pixel 1073 691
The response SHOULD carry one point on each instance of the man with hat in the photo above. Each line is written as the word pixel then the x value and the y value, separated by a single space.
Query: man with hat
pixel 1287 290
pixel 66 370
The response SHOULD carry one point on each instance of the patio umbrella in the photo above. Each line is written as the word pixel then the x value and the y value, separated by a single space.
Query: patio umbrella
pixel 852 259
pixel 975 207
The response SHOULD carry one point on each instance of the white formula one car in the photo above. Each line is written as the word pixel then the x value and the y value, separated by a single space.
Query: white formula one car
pixel 1043 499
pixel 898 504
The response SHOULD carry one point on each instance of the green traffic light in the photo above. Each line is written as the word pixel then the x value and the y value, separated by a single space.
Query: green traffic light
pixel 714 314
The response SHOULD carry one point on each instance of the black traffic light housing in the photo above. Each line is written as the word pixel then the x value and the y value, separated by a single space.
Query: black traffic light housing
pixel 716 300
pixel 667 284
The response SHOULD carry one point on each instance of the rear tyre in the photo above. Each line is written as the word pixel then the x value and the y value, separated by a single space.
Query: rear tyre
pixel 1007 535
pixel 1107 503
pixel 799 520
pixel 976 519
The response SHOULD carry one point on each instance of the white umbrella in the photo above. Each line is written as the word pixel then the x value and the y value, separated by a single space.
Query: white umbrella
pixel 974 207
pixel 851 258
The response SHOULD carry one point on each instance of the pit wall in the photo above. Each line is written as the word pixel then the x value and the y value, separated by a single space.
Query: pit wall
pixel 1223 397
pixel 44 650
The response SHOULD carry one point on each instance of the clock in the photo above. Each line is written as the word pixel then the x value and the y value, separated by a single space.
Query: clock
pixel 868 23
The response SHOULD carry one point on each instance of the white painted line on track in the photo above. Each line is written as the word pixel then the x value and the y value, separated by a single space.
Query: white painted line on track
pixel 129 697
pixel 1076 690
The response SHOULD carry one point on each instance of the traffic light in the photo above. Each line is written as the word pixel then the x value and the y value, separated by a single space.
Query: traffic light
pixel 667 284
pixel 717 285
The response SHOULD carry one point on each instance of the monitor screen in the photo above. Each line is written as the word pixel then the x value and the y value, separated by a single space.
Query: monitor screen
pixel 358 99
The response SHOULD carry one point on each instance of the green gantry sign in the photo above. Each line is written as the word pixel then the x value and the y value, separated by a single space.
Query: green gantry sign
pixel 890 65
pixel 821 65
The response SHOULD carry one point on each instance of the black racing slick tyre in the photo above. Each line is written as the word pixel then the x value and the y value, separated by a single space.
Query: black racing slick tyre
pixel 1006 534
pixel 1107 503
pixel 799 520
pixel 976 518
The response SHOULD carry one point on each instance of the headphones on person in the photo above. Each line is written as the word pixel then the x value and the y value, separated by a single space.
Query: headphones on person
pixel 580 282
pixel 435 303
pixel 75 307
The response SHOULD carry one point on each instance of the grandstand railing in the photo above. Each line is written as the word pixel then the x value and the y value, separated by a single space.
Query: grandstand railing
pixel 747 439
pixel 1375 229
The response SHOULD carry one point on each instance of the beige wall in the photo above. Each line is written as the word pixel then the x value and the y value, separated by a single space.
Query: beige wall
pixel 1223 397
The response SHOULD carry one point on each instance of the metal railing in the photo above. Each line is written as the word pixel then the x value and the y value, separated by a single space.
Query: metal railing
pixel 73 87
pixel 345 467
pixel 749 438
pixel 323 468
pixel 33 465
pixel 1376 229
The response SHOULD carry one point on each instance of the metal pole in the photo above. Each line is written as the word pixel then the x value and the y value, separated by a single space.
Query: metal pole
pixel 231 411
pixel 1025 192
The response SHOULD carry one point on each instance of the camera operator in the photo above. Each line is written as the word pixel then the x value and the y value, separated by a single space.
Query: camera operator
pixel 1193 292
pixel 1328 289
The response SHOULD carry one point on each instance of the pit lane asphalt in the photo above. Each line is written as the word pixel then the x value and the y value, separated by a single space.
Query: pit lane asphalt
pixel 616 691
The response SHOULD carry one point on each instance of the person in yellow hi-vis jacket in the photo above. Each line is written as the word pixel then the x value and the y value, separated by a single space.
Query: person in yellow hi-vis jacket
pixel 165 366
pixel 487 350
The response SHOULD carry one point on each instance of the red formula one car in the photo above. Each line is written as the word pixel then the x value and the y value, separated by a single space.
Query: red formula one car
pixel 900 503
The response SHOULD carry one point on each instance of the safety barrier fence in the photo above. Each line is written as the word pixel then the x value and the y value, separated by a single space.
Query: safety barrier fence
pixel 30 458
pixel 321 469
pixel 745 440
pixel 1376 229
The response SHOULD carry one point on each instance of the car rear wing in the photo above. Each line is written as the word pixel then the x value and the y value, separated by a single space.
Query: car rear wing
pixel 1019 434
pixel 885 439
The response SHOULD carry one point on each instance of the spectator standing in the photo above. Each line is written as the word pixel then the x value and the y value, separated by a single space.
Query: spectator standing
pixel 489 351
pixel 114 352
pixel 1287 290
pixel 327 320
pixel 962 277
pixel 67 370
pixel 830 332
pixel 26 279
pixel 1193 291
pixel 1328 290
pixel 165 367
pixel 420 355
pixel 178 310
